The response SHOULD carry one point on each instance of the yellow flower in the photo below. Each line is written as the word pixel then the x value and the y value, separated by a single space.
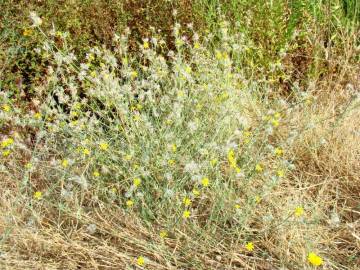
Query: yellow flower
pixel 146 45
pixel 249 246
pixel 6 108
pixel 277 115
pixel 129 203
pixel 86 151
pixel 137 117
pixel 133 74
pixel 314 259
pixel 91 57
pixel 37 195
pixel 6 153
pixel 137 182
pixel 28 165
pixel 173 147
pixel 186 214
pixel 171 162
pixel 136 166
pixel 222 97
pixel 93 73
pixel 188 69
pixel 179 42
pixel 27 32
pixel 163 234
pixel 65 163
pixel 218 55
pixel 231 158
pixel 128 157
pixel 196 45
pixel 257 199
pixel 187 201
pixel 7 142
pixel 299 211
pixel 237 206
pixel 309 100
pixel 278 151
pixel 96 174
pixel 275 122
pixel 74 123
pixel 181 93
pixel 140 261
pixel 196 192
pixel 74 114
pixel 104 146
pixel 213 162
pixel 258 168
pixel 280 173
pixel 247 134
pixel 205 182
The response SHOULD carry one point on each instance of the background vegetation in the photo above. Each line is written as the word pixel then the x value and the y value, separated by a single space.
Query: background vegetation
pixel 230 141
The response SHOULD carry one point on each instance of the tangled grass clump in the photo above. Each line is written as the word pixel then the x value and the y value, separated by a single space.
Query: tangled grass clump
pixel 175 162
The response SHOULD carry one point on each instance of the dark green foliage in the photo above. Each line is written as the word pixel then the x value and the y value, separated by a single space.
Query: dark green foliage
pixel 352 9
